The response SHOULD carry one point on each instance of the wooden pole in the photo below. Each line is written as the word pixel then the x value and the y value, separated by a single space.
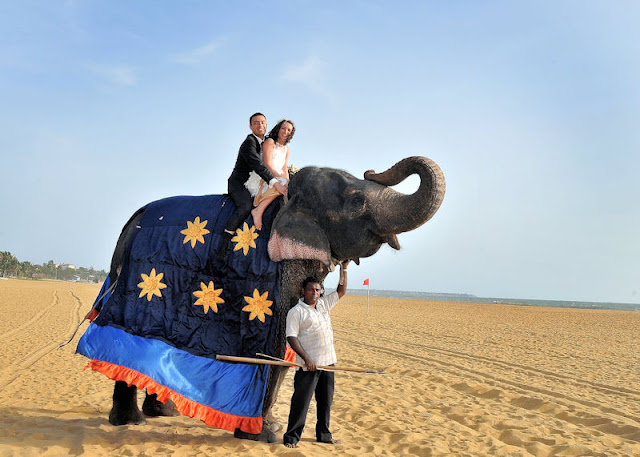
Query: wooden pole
pixel 270 357
pixel 232 358
pixel 284 363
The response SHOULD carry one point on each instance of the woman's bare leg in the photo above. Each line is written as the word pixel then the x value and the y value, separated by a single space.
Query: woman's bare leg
pixel 258 211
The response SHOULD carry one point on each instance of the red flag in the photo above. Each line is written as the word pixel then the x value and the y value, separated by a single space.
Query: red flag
pixel 366 282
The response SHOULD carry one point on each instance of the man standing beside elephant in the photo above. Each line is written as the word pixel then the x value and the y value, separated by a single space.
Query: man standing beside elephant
pixel 310 334
pixel 249 159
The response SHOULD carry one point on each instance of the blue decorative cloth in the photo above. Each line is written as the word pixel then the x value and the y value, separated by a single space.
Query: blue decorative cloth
pixel 174 309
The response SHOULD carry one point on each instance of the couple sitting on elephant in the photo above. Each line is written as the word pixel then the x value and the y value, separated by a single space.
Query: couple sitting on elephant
pixel 260 174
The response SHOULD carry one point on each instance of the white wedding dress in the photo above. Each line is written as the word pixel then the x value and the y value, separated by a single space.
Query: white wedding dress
pixel 279 158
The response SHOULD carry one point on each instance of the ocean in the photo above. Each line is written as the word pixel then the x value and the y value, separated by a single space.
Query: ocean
pixel 491 300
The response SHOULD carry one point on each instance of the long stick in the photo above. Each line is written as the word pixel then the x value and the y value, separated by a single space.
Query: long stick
pixel 328 367
pixel 294 364
pixel 278 362
pixel 271 357
pixel 231 358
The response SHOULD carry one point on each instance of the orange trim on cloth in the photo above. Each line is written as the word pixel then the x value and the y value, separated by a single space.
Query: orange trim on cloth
pixel 186 407
pixel 290 354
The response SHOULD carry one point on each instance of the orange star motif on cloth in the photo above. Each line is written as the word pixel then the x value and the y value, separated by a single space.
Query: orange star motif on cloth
pixel 258 305
pixel 151 284
pixel 208 297
pixel 244 238
pixel 195 231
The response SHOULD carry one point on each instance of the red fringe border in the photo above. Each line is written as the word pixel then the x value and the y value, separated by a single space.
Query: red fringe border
pixel 290 354
pixel 186 407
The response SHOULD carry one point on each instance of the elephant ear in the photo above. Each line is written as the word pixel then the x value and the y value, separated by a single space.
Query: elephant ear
pixel 296 235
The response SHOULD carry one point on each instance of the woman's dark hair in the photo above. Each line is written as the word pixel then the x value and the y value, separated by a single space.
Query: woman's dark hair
pixel 273 134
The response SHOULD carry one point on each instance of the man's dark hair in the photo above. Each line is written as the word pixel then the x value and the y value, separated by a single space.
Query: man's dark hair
pixel 311 279
pixel 254 115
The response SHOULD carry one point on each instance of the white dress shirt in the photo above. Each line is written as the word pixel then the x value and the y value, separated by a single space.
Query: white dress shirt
pixel 312 327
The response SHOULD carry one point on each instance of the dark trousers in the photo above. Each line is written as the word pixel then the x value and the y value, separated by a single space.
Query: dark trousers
pixel 243 201
pixel 305 384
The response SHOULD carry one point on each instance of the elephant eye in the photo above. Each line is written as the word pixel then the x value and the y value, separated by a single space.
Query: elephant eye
pixel 355 202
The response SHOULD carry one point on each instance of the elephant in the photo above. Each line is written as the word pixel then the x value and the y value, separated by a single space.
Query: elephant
pixel 330 216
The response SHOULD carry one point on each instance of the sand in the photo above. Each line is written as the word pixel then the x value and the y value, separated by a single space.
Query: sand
pixel 462 379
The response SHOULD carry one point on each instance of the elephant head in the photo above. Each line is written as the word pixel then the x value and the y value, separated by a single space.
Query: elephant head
pixel 331 215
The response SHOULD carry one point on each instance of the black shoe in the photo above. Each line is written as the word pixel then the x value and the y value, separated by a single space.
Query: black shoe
pixel 221 254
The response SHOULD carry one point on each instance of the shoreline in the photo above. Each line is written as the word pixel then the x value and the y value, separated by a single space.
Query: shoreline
pixel 468 298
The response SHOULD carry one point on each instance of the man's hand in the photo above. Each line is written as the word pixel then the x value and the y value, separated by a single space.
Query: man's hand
pixel 342 283
pixel 310 364
pixel 280 188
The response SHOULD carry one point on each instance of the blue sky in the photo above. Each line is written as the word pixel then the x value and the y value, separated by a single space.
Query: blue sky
pixel 530 108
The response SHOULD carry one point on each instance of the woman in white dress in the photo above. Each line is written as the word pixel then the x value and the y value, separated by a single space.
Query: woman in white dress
pixel 275 154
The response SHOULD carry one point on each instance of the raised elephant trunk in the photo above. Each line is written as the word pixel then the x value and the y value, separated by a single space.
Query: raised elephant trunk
pixel 394 212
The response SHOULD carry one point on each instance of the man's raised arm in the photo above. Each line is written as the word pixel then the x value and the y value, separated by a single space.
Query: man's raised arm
pixel 342 284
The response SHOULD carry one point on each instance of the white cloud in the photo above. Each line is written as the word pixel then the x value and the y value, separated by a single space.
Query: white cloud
pixel 198 54
pixel 122 75
pixel 311 73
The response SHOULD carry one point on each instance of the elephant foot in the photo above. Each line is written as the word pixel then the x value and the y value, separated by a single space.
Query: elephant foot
pixel 125 406
pixel 266 435
pixel 126 417
pixel 272 423
pixel 154 407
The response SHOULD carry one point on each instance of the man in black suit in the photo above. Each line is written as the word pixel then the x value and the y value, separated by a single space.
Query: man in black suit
pixel 249 159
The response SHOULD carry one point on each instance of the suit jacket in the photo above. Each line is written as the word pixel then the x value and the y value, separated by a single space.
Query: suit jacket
pixel 248 160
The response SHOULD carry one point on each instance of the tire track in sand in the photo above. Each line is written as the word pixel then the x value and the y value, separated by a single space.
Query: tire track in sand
pixel 15 370
pixel 54 302
pixel 533 371
pixel 540 401
pixel 530 371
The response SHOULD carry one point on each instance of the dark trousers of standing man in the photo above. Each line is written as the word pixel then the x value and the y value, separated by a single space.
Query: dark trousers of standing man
pixel 305 384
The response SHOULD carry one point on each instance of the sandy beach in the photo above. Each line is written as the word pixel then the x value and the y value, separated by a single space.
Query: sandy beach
pixel 461 379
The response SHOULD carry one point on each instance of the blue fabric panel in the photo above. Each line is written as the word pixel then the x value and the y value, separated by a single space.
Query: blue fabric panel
pixel 169 338
pixel 236 389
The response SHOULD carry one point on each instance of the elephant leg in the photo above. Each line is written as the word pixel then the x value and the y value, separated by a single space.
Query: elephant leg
pixel 267 413
pixel 154 407
pixel 267 434
pixel 125 405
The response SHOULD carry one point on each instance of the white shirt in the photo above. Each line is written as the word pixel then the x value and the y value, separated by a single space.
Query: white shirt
pixel 312 327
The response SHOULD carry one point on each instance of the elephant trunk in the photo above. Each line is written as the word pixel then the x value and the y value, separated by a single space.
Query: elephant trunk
pixel 395 212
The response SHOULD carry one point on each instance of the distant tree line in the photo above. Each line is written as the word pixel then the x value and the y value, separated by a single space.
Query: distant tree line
pixel 10 266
